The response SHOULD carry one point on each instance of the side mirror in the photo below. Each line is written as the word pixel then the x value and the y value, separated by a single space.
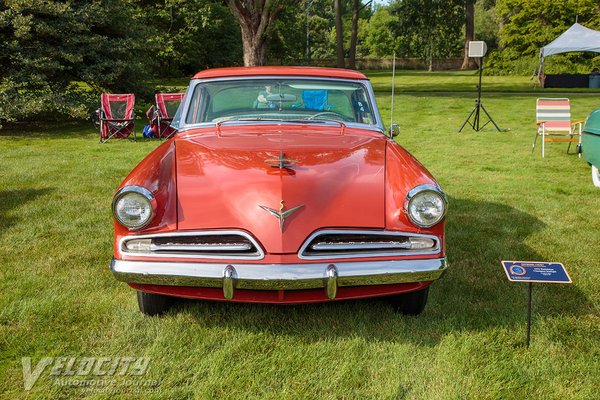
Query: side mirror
pixel 394 130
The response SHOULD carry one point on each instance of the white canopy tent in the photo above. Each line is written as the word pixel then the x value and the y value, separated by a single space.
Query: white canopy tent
pixel 576 38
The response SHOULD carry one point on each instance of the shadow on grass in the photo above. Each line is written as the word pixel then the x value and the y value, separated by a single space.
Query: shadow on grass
pixel 49 130
pixel 474 294
pixel 68 130
pixel 10 199
pixel 58 130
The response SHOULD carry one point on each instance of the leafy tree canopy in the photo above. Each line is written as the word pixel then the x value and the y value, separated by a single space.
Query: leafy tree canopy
pixel 189 35
pixel 57 42
pixel 428 28
pixel 528 25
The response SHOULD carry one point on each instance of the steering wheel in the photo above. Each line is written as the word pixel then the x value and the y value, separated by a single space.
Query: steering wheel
pixel 322 113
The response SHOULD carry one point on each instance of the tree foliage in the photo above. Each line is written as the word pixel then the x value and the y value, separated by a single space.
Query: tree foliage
pixel 428 28
pixel 189 35
pixel 56 55
pixel 380 38
pixel 288 41
pixel 49 46
pixel 55 43
pixel 486 24
pixel 528 25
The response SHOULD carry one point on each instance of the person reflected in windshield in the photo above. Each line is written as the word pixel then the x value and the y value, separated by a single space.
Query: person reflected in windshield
pixel 262 99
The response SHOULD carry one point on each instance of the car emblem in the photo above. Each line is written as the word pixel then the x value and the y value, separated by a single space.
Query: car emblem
pixel 281 215
pixel 282 162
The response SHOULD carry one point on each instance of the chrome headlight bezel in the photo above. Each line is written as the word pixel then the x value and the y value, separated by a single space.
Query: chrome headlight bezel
pixel 146 194
pixel 420 189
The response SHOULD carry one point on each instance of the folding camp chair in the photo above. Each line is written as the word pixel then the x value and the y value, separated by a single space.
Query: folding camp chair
pixel 314 100
pixel 554 123
pixel 116 116
pixel 161 114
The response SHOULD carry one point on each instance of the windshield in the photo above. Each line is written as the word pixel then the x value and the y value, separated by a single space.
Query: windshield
pixel 281 99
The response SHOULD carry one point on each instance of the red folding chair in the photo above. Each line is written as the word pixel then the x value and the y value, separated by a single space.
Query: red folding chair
pixel 162 112
pixel 116 115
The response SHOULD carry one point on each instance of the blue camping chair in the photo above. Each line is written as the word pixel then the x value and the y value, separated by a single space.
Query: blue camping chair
pixel 314 100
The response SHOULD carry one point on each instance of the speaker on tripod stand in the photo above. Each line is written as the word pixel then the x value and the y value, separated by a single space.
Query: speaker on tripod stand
pixel 477 49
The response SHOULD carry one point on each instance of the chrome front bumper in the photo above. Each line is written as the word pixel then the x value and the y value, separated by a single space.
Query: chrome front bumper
pixel 230 277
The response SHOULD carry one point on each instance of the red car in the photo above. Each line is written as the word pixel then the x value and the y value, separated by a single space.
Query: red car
pixel 281 186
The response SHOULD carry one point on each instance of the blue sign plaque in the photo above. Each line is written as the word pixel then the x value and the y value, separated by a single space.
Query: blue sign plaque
pixel 533 271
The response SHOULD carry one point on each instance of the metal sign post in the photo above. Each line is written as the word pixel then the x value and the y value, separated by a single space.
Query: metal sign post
pixel 535 271
pixel 529 315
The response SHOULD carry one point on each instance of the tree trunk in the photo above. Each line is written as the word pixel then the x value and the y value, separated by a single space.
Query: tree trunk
pixel 254 49
pixel 339 34
pixel 353 35
pixel 431 44
pixel 469 63
pixel 501 23
pixel 256 19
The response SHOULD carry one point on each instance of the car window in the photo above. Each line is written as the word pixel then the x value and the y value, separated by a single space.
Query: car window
pixel 287 99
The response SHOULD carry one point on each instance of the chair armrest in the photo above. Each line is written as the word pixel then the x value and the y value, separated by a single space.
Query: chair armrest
pixel 540 123
pixel 576 123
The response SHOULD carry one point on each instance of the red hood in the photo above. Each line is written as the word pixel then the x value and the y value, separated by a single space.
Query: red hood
pixel 222 179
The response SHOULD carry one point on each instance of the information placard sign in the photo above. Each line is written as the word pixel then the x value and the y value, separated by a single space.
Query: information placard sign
pixel 533 271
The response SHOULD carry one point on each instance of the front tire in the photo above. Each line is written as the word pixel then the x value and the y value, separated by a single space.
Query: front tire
pixel 153 304
pixel 595 176
pixel 412 303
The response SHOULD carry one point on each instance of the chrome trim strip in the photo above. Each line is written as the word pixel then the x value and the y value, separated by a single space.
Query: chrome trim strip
pixel 327 246
pixel 201 247
pixel 303 248
pixel 278 276
pixel 258 256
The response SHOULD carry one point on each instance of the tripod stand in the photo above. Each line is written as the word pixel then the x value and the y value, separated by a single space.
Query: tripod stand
pixel 476 112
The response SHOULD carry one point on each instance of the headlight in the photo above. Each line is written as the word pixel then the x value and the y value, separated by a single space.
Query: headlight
pixel 426 205
pixel 133 207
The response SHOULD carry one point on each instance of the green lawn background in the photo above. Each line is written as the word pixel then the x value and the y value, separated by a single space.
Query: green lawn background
pixel 57 297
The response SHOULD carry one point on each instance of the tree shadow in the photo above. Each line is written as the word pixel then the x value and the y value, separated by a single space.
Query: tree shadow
pixel 473 295
pixel 47 130
pixel 10 199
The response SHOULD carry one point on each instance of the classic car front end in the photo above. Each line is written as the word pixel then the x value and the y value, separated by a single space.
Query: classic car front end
pixel 280 186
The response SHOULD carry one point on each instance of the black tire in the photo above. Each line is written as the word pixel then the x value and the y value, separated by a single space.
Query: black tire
pixel 412 303
pixel 153 304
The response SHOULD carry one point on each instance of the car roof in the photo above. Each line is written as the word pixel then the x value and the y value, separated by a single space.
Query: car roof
pixel 273 71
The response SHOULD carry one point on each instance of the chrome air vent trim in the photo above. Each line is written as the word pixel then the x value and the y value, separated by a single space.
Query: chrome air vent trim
pixel 341 243
pixel 235 244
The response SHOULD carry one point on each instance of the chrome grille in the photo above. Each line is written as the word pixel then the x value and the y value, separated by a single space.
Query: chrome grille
pixel 207 244
pixel 352 243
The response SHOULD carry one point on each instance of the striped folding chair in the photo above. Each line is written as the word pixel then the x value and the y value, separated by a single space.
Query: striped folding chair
pixel 554 123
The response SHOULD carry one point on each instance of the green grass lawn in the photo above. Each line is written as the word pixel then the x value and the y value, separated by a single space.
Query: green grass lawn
pixel 58 298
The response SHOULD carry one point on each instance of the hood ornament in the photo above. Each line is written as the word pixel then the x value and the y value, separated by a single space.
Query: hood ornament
pixel 281 215
pixel 282 162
